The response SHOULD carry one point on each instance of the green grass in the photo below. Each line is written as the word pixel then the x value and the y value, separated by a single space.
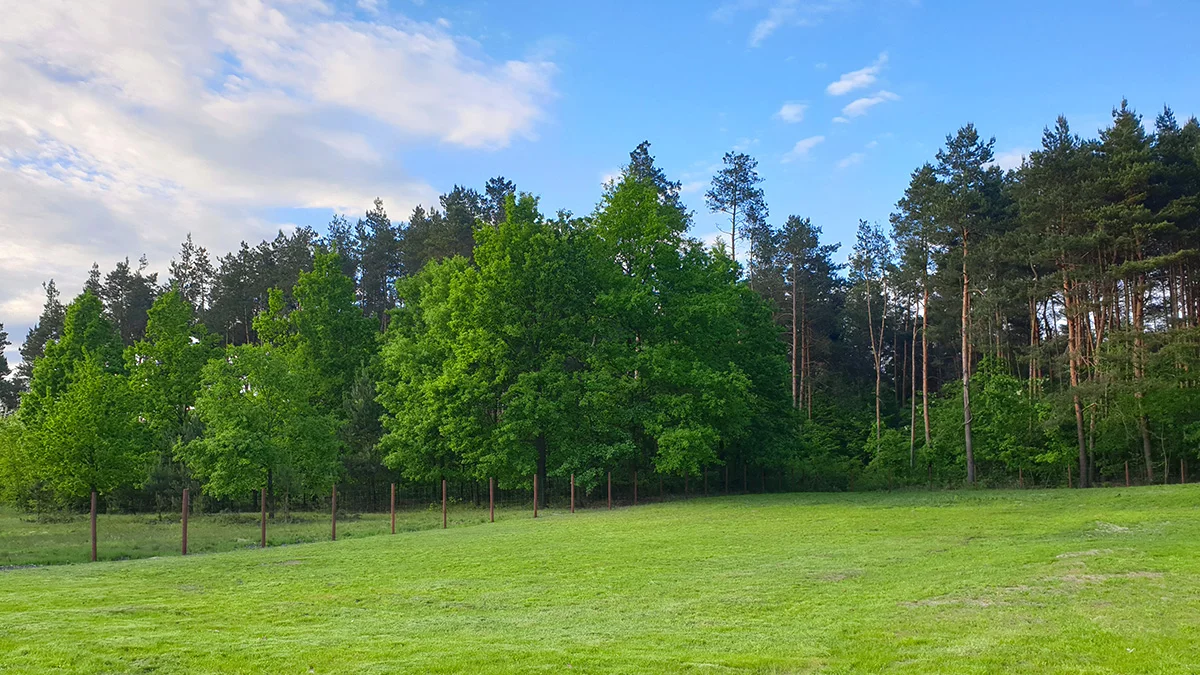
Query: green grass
pixel 27 539
pixel 1100 581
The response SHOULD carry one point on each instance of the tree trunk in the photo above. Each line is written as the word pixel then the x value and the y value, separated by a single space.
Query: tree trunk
pixel 912 399
pixel 93 521
pixel 925 358
pixel 540 445
pixel 1073 342
pixel 796 386
pixel 966 365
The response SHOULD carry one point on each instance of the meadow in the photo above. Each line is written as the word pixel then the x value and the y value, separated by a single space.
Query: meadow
pixel 1034 581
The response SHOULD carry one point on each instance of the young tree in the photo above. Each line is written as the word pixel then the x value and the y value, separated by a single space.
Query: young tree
pixel 261 427
pixel 735 192
pixel 88 440
pixel 164 369
pixel 871 266
pixel 86 333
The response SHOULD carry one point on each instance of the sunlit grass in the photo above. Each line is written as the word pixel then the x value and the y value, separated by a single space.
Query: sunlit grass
pixel 1100 581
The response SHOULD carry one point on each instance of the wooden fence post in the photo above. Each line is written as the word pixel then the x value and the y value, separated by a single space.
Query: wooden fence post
pixel 333 514
pixel 93 526
pixel 393 508
pixel 492 500
pixel 610 491
pixel 535 495
pixel 1126 474
pixel 185 519
pixel 444 523
pixel 572 493
pixel 262 499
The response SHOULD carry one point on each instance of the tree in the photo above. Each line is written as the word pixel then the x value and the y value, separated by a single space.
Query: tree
pixel 87 334
pixel 10 389
pixel 48 328
pixel 735 192
pixel 193 275
pixel 164 369
pixel 89 438
pixel 811 283
pixel 128 294
pixel 871 266
pixel 972 186
pixel 495 195
pixel 1054 198
pixel 261 427
pixel 915 230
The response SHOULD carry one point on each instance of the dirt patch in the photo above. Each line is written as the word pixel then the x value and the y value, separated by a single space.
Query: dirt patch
pixel 842 575
pixel 1084 554
pixel 1101 578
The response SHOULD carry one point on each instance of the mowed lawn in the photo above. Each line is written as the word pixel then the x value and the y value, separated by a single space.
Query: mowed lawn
pixel 1098 581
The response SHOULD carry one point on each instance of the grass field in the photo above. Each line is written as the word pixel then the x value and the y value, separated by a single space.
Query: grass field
pixel 1100 581
pixel 26 539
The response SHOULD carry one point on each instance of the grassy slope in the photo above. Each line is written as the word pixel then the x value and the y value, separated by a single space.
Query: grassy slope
pixel 1102 581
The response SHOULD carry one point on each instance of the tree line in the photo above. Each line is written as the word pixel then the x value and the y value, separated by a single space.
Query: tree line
pixel 1003 325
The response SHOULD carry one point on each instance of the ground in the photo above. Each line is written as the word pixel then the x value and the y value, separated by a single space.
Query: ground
pixel 1097 581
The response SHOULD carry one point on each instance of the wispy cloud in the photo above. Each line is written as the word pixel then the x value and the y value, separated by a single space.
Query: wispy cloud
pixel 851 159
pixel 857 79
pixel 860 106
pixel 792 112
pixel 792 13
pixel 802 148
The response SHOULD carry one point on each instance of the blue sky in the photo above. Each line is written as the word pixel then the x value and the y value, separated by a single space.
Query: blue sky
pixel 126 124
pixel 690 78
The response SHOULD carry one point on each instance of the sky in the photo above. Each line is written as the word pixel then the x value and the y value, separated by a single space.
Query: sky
pixel 125 125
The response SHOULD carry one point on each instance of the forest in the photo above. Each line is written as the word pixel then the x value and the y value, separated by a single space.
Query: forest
pixel 1033 326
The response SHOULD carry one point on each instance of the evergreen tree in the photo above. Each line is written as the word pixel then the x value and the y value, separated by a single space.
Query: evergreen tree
pixel 47 329
pixel 735 192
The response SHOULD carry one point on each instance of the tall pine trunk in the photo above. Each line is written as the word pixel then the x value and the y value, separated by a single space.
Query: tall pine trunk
pixel 966 365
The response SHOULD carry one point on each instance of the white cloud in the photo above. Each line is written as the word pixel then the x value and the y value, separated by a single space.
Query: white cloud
pixel 792 112
pixel 787 12
pixel 692 186
pixel 851 159
pixel 1010 159
pixel 858 79
pixel 125 124
pixel 872 145
pixel 802 148
pixel 371 6
pixel 841 120
pixel 859 107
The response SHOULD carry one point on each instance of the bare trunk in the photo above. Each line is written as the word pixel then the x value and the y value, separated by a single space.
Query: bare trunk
pixel 1073 342
pixel 796 386
pixel 966 366
pixel 925 359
